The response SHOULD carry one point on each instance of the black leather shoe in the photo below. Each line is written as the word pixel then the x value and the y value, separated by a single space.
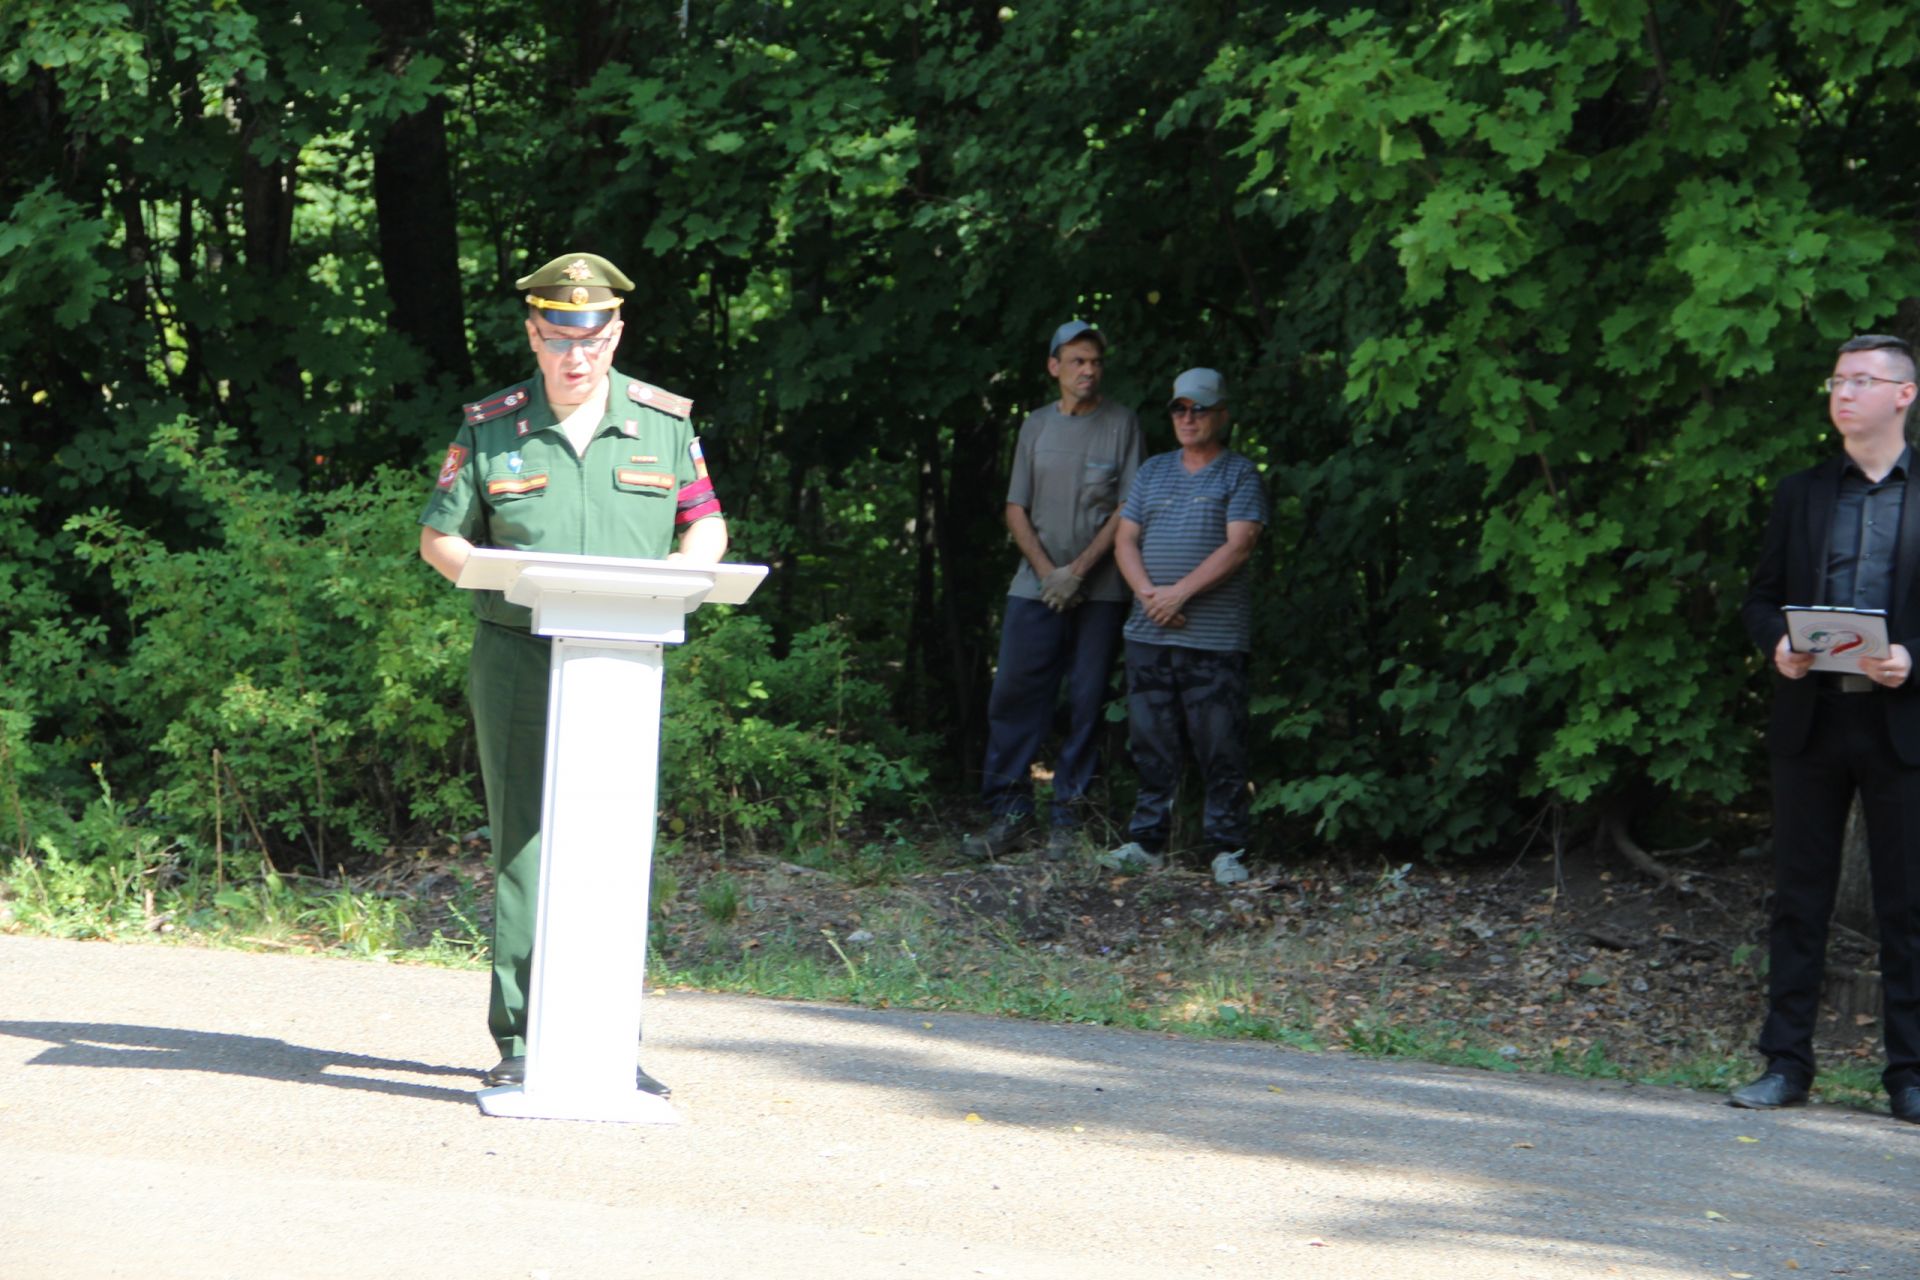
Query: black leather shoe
pixel 1905 1104
pixel 514 1071
pixel 1770 1092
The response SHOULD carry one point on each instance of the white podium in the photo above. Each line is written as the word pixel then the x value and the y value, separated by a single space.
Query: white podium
pixel 610 618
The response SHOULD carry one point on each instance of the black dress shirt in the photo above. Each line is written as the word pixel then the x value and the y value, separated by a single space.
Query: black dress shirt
pixel 1864 535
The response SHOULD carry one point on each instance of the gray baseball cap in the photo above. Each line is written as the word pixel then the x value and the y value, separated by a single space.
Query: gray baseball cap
pixel 1069 331
pixel 1205 387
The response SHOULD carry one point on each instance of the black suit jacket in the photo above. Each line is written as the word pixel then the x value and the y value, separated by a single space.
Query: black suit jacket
pixel 1792 570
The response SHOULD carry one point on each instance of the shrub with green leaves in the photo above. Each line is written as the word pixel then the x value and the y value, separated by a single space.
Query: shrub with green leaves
pixel 784 749
pixel 1591 261
pixel 299 675
pixel 297 672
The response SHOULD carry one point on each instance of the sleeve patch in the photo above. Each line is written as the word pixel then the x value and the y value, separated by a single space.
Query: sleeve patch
pixel 699 458
pixel 450 469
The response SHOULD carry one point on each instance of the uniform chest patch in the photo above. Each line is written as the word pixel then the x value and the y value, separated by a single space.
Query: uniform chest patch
pixel 516 484
pixel 643 457
pixel 644 479
pixel 514 463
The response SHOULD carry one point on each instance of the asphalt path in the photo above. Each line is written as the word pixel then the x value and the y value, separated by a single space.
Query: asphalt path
pixel 171 1111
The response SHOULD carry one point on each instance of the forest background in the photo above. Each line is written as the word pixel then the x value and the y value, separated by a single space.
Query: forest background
pixel 1525 306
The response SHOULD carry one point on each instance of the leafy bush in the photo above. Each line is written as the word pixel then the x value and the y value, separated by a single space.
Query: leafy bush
pixel 294 677
pixel 757 746
pixel 298 673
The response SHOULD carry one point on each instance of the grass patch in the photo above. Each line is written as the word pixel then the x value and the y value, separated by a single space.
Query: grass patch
pixel 905 959
pixel 879 931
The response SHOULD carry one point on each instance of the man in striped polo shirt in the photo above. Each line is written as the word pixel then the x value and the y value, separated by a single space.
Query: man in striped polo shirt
pixel 1186 532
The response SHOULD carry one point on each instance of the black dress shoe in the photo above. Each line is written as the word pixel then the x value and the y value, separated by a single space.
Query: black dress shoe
pixel 1905 1104
pixel 1769 1093
pixel 514 1071
pixel 647 1084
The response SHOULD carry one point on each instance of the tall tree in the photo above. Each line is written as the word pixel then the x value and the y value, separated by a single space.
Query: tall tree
pixel 413 196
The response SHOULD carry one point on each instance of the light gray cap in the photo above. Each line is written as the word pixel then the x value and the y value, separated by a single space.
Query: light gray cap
pixel 1069 331
pixel 1205 387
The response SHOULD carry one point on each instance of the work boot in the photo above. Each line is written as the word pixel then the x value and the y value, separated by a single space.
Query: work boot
pixel 1003 835
pixel 1131 858
pixel 1228 869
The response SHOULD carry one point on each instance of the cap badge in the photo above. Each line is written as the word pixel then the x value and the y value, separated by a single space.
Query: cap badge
pixel 578 296
pixel 577 270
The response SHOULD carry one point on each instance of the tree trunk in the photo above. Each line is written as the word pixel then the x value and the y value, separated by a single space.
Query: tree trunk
pixel 413 196
pixel 974 565
pixel 1853 908
pixel 268 194
pixel 1848 989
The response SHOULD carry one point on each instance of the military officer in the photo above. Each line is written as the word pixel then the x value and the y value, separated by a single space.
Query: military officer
pixel 579 458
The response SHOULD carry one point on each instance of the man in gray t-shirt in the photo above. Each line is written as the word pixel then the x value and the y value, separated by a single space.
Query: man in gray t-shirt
pixel 1186 533
pixel 1071 468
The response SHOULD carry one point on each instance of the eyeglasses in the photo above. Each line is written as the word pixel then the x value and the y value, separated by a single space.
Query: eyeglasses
pixel 1185 410
pixel 1859 383
pixel 592 346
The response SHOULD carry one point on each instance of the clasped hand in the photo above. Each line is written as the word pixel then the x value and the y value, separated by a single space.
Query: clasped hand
pixel 1164 606
pixel 1060 590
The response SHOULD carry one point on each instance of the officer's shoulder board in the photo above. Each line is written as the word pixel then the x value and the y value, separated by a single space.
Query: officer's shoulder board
pixel 654 398
pixel 494 405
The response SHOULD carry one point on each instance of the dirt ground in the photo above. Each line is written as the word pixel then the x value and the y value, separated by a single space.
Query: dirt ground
pixel 1583 964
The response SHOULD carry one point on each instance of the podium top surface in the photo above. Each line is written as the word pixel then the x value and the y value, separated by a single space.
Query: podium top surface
pixel 495 569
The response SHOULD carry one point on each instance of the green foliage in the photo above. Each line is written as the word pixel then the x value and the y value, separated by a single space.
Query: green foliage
pixel 720 900
pixel 1606 270
pixel 299 674
pixel 791 749
pixel 96 874
pixel 1521 303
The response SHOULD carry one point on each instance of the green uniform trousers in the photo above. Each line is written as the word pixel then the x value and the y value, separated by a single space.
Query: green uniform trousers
pixel 507 686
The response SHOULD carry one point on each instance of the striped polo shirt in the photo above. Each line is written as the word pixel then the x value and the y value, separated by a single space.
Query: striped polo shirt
pixel 1183 518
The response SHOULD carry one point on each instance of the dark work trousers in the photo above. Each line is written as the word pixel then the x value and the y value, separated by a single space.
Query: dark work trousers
pixel 1180 699
pixel 1847 748
pixel 507 685
pixel 1041 650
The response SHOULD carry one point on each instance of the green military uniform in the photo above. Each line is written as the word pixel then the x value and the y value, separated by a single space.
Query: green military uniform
pixel 511 479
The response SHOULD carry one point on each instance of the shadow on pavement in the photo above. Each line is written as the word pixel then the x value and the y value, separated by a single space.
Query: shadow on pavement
pixel 134 1048
pixel 1516 1161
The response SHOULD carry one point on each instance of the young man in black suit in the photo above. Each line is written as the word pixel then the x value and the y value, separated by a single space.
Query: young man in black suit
pixel 1846 532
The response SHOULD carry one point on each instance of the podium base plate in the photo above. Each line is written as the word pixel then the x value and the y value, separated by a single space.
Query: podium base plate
pixel 628 1106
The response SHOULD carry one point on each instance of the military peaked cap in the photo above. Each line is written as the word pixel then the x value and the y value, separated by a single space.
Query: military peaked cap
pixel 576 290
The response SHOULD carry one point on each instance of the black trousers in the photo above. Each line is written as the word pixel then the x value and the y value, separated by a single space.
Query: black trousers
pixel 1040 651
pixel 1180 699
pixel 1848 749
